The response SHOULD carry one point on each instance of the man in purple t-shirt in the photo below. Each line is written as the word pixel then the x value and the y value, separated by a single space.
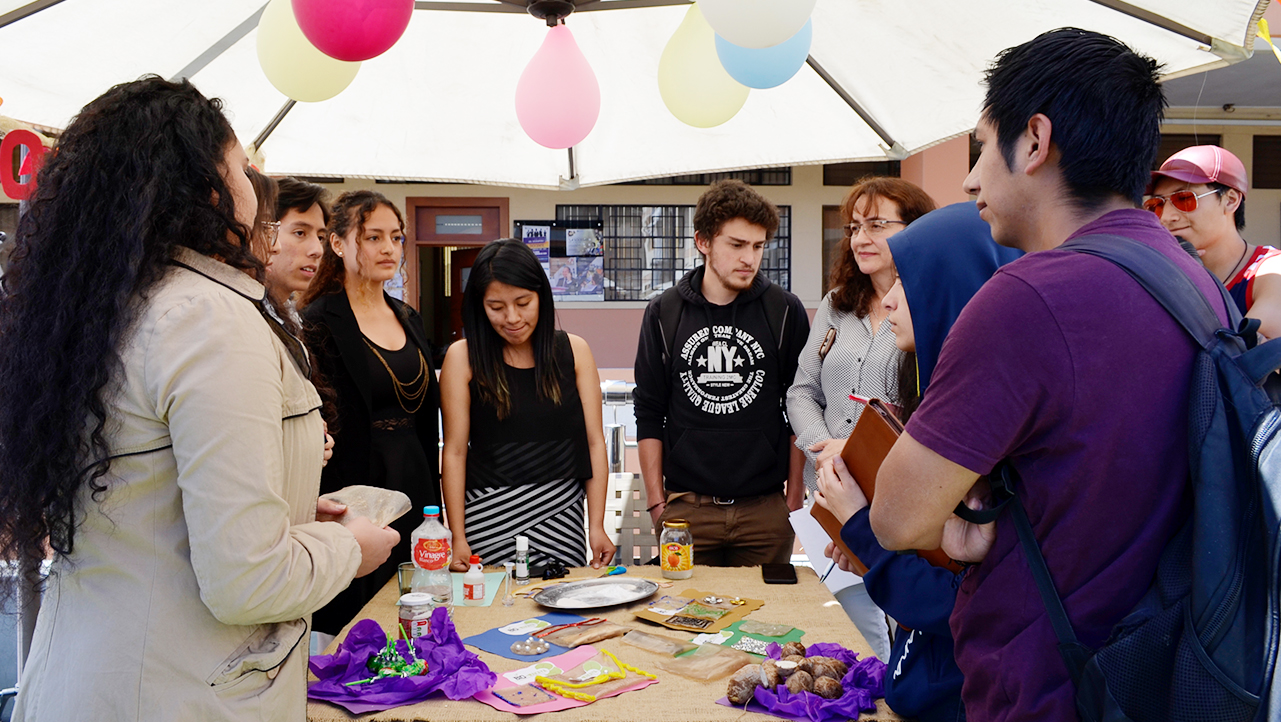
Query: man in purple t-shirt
pixel 1061 364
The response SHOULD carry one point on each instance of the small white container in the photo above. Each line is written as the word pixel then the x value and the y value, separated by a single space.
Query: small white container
pixel 474 584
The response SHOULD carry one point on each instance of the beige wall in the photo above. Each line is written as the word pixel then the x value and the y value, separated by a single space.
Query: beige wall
pixel 612 328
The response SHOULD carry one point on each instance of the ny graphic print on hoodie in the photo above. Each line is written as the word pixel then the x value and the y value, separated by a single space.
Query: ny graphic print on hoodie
pixel 717 402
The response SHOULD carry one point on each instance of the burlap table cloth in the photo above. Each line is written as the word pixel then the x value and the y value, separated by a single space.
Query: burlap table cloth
pixel 807 605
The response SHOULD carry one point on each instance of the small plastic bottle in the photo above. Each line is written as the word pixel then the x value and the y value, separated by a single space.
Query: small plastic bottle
pixel 474 584
pixel 522 560
pixel 430 545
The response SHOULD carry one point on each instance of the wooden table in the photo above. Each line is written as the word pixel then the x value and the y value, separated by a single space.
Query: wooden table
pixel 807 605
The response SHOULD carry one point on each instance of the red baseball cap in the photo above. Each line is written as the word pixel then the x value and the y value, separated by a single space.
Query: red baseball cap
pixel 1203 164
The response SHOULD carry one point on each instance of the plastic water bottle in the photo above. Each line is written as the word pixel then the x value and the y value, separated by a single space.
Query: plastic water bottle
pixel 431 552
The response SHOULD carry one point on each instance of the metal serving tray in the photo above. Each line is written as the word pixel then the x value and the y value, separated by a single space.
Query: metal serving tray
pixel 591 593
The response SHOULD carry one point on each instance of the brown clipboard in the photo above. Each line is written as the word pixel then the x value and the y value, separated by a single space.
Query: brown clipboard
pixel 869 443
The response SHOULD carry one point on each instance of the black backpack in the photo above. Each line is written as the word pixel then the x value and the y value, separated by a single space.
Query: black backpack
pixel 1202 643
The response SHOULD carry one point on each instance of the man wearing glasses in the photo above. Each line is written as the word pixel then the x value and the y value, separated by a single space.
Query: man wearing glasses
pixel 1199 194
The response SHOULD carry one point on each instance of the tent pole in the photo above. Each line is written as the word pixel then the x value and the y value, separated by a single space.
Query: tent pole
pixel 27 10
pixel 218 48
pixel 892 148
pixel 1152 18
pixel 573 172
pixel 275 121
pixel 516 6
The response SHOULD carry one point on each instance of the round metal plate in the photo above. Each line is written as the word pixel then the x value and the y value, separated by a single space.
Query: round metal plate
pixel 592 593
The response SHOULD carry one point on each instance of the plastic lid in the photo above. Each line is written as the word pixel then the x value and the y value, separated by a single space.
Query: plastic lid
pixel 414 599
pixel 431 511
pixel 676 524
pixel 522 543
pixel 474 559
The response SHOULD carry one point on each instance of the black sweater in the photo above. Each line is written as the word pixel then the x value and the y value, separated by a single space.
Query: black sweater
pixel 718 408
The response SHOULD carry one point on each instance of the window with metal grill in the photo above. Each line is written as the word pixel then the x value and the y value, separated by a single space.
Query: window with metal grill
pixel 648 248
pixel 1267 162
pixel 755 177
pixel 847 174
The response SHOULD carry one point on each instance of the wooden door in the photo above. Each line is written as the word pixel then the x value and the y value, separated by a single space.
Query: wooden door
pixel 437 228
pixel 460 263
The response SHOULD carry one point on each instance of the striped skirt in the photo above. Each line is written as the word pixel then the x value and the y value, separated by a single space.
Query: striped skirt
pixel 552 515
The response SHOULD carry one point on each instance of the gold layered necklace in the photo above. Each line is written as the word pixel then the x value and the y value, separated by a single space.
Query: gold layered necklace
pixel 404 391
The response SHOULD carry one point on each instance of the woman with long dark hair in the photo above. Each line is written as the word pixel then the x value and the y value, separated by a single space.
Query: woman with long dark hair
pixel 850 354
pixel 522 408
pixel 157 432
pixel 372 350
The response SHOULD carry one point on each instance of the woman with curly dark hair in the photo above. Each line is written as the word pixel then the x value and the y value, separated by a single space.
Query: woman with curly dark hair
pixel 139 435
pixel 372 349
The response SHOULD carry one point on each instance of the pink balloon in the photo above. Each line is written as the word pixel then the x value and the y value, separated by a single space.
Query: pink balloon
pixel 558 98
pixel 353 30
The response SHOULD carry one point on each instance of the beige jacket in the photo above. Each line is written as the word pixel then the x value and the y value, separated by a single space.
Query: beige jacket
pixel 189 592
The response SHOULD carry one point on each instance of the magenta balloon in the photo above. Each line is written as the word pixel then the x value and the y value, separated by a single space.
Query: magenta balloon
pixel 353 30
pixel 558 98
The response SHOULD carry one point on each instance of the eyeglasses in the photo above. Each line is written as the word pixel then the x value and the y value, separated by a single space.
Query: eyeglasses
pixel 270 232
pixel 874 229
pixel 1184 200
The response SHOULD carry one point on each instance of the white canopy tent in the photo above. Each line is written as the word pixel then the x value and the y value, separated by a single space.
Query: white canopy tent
pixel 886 78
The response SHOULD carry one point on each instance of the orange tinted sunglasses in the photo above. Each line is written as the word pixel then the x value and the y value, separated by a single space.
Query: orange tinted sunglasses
pixel 1183 200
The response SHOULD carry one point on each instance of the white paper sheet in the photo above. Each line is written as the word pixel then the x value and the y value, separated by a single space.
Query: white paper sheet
pixel 814 540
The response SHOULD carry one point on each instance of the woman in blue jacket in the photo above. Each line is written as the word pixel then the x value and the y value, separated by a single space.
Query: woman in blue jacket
pixel 941 260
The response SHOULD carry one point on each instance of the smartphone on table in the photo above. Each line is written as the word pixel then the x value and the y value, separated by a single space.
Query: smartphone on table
pixel 778 573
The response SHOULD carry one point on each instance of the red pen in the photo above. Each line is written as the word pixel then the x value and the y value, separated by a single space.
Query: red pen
pixel 859 399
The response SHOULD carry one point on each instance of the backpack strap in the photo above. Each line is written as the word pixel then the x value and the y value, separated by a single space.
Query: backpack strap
pixel 1075 655
pixel 670 307
pixel 776 312
pixel 1158 275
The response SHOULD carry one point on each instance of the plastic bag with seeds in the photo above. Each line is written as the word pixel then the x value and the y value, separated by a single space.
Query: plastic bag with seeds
pixel 657 643
pixel 710 661
pixel 575 636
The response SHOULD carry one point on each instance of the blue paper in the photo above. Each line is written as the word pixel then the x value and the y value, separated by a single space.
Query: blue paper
pixel 500 643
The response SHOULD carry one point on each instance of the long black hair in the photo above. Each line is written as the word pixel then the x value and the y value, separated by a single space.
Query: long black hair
pixel 511 262
pixel 136 173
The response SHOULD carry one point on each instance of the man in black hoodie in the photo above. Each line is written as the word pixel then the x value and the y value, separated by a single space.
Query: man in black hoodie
pixel 717 353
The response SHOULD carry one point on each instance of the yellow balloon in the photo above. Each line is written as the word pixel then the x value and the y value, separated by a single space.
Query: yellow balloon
pixel 292 63
pixel 694 86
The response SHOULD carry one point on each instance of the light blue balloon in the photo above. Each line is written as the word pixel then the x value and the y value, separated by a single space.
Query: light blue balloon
pixel 766 67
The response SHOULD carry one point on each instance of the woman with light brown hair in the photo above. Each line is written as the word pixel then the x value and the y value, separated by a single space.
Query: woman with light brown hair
pixel 850 354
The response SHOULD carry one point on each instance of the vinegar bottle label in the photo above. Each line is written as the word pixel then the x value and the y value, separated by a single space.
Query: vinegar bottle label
pixel 431 553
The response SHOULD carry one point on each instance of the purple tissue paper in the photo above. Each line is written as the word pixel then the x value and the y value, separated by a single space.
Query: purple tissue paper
pixel 451 669
pixel 864 682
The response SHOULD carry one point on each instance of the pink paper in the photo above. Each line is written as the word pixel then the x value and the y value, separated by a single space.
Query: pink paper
pixel 565 661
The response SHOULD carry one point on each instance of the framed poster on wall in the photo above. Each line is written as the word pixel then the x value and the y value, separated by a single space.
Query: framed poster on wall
pixel 572 254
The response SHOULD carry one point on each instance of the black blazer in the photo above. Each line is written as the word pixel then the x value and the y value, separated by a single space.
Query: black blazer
pixel 333 339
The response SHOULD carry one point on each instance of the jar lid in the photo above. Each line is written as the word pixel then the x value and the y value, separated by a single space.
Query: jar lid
pixel 675 524
pixel 414 599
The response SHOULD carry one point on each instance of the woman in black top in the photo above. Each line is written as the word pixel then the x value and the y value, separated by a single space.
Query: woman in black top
pixel 371 348
pixel 522 408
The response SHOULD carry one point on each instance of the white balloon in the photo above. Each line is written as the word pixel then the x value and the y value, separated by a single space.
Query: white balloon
pixel 292 63
pixel 692 81
pixel 757 23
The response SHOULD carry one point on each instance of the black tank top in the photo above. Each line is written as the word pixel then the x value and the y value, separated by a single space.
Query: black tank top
pixel 538 441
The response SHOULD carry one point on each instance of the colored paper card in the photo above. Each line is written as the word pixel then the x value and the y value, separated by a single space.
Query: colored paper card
pixel 695 614
pixel 499 641
pixel 493 583
pixel 559 663
pixel 729 636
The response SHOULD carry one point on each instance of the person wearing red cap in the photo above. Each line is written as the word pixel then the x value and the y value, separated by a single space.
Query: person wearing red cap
pixel 1199 194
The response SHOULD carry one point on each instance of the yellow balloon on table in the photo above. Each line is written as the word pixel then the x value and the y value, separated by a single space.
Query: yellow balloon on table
pixel 292 63
pixel 694 86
